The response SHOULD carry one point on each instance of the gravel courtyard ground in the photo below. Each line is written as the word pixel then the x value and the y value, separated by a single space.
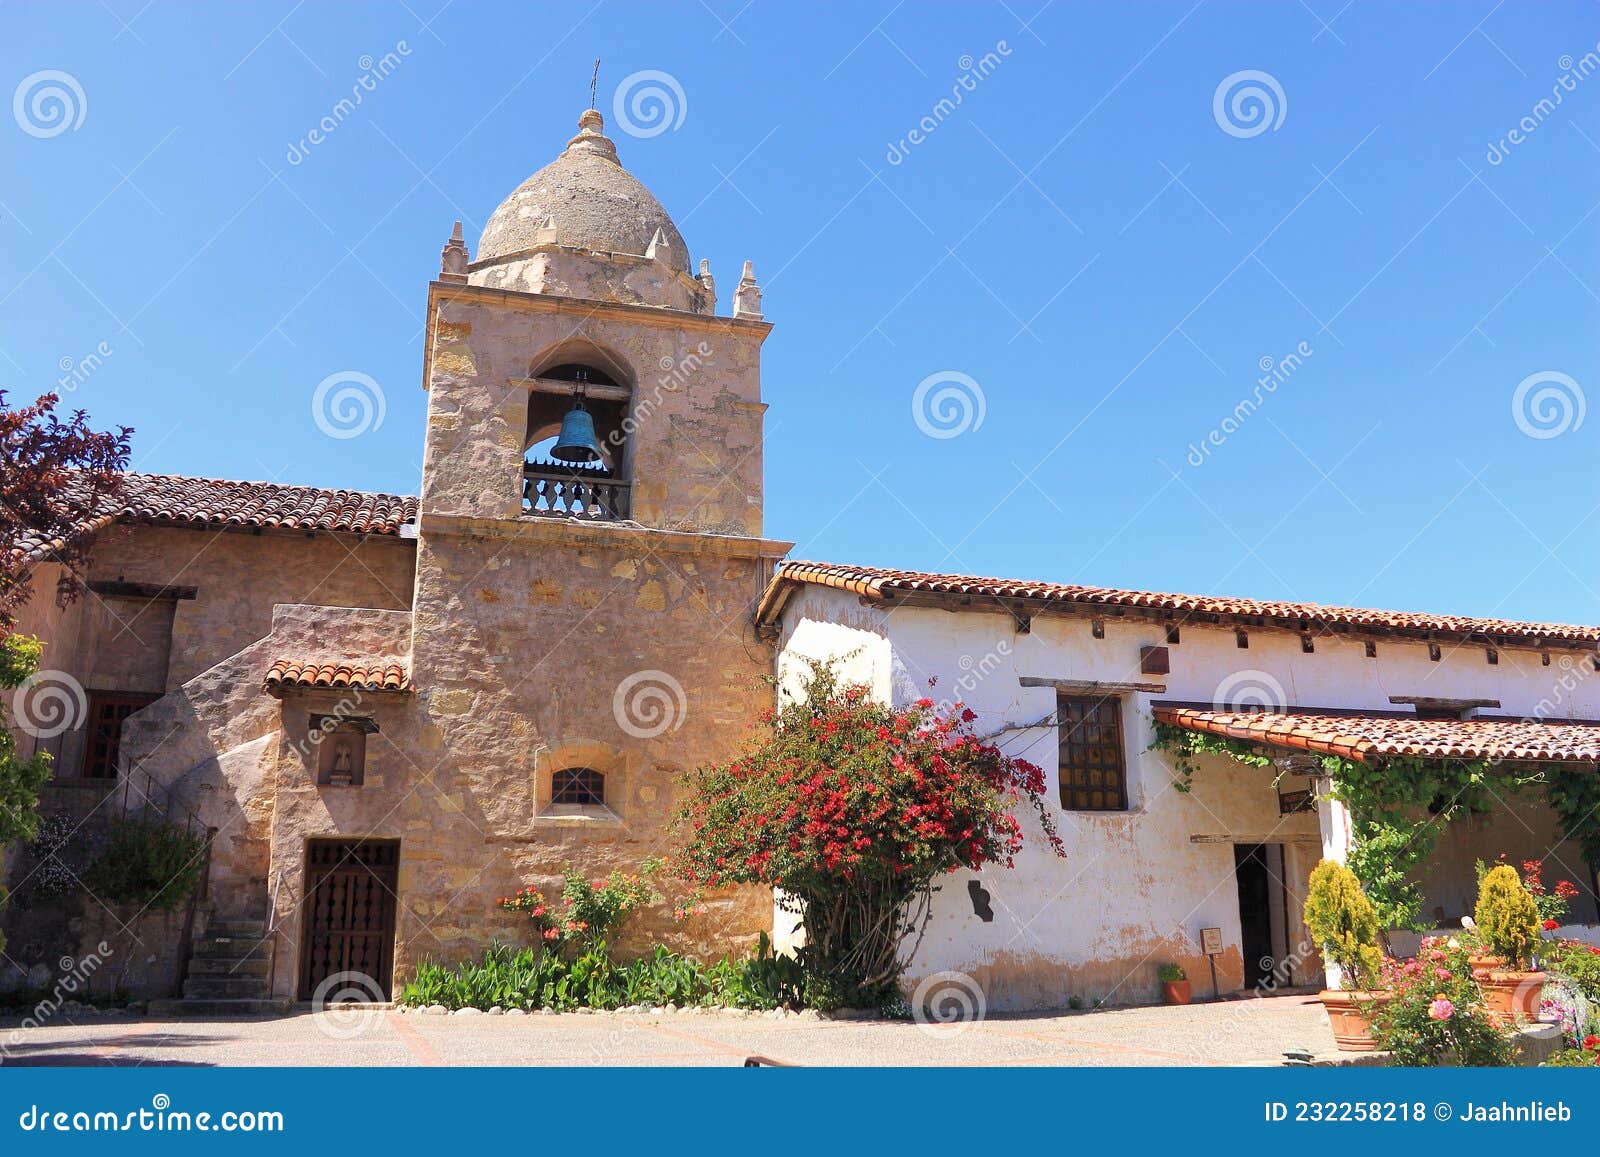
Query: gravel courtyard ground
pixel 1244 1032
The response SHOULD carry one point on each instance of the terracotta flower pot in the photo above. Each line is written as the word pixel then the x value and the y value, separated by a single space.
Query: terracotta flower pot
pixel 1175 991
pixel 1510 996
pixel 1350 1015
pixel 1482 964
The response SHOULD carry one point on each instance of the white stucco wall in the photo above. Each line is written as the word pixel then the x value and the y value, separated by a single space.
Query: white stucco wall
pixel 1136 887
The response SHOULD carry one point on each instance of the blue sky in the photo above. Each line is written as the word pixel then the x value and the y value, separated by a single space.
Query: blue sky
pixel 1104 257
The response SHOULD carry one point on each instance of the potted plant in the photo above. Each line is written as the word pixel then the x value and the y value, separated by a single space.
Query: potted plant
pixel 1174 984
pixel 1344 925
pixel 1508 924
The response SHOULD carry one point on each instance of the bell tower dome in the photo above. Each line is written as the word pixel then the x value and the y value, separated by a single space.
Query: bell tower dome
pixel 583 226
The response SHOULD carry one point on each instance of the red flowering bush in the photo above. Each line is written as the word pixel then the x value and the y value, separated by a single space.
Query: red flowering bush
pixel 1552 905
pixel 853 808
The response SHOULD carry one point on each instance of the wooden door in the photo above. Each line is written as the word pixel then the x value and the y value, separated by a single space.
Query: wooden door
pixel 349 912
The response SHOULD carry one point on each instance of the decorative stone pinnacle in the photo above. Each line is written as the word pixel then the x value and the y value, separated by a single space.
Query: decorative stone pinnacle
pixel 660 248
pixel 747 298
pixel 709 284
pixel 453 258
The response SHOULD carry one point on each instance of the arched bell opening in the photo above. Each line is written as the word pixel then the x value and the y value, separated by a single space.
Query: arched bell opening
pixel 577 455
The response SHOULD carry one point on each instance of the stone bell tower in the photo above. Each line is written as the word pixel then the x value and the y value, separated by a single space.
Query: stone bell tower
pixel 580 293
pixel 582 631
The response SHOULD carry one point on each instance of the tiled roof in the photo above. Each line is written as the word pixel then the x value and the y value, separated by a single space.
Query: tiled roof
pixel 174 500
pixel 294 674
pixel 1371 738
pixel 885 585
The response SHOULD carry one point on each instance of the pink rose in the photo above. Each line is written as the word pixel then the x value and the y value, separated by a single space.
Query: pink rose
pixel 1441 1009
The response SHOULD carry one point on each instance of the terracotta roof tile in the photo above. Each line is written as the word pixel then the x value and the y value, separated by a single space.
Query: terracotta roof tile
pixel 175 500
pixel 879 584
pixel 1372 738
pixel 295 674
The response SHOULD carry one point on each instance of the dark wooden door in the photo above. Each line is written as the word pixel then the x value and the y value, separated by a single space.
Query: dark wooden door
pixel 349 912
pixel 1255 913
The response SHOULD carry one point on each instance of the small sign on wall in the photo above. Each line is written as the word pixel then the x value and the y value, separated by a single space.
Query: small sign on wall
pixel 1211 941
pixel 1290 802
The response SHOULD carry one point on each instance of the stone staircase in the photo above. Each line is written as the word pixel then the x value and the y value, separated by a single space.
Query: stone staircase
pixel 228 974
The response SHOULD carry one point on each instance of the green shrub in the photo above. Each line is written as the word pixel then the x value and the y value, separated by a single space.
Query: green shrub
pixel 528 978
pixel 1342 921
pixel 1507 917
pixel 1170 973
pixel 148 863
pixel 1382 860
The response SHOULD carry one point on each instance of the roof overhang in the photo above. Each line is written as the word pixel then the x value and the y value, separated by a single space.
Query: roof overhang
pixel 287 676
pixel 1019 598
pixel 1374 738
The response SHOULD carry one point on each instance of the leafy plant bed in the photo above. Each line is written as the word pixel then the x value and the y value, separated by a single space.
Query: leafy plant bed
pixel 531 979
pixel 670 1010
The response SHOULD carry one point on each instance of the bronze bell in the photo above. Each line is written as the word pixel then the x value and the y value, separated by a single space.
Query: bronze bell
pixel 577 442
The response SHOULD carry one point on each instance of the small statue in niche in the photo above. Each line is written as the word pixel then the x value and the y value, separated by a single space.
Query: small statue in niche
pixel 341 772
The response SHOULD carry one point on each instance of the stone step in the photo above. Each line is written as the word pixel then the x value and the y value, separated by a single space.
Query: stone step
pixel 219 948
pixel 225 987
pixel 219 1007
pixel 237 929
pixel 229 966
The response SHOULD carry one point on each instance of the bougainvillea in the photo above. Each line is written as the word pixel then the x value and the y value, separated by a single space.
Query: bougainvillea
pixel 853 808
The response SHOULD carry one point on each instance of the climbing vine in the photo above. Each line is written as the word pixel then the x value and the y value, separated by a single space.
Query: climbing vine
pixel 1398 807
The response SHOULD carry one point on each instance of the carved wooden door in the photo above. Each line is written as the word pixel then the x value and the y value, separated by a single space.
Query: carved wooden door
pixel 349 916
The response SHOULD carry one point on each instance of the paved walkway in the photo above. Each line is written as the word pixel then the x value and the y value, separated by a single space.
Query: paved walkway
pixel 1245 1032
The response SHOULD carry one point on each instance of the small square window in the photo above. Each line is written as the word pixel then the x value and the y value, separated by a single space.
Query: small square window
pixel 579 785
pixel 107 711
pixel 1094 771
